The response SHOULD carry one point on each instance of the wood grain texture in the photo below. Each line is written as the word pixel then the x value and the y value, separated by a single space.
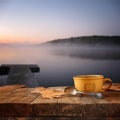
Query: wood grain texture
pixel 89 106
pixel 8 88
pixel 16 102
pixel 59 118
pixel 14 110
pixel 19 102
pixel 44 107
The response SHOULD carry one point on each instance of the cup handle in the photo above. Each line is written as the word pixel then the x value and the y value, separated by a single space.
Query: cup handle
pixel 109 81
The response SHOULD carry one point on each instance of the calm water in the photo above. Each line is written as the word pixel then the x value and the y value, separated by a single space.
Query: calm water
pixel 59 65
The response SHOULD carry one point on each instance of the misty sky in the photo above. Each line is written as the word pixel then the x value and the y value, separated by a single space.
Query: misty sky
pixel 36 21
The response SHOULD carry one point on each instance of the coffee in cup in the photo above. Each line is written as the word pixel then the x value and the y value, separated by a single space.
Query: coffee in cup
pixel 92 83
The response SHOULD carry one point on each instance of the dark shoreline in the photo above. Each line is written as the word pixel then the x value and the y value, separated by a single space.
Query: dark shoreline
pixel 94 40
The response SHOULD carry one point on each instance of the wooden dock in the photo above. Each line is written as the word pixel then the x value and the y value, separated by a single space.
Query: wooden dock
pixel 20 74
pixel 5 68
pixel 18 103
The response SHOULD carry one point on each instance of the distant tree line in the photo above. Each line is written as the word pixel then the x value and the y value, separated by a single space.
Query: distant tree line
pixel 88 40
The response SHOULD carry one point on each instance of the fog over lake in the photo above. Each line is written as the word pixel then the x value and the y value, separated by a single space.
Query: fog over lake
pixel 58 65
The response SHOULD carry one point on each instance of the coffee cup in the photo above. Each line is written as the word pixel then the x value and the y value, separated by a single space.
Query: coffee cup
pixel 92 83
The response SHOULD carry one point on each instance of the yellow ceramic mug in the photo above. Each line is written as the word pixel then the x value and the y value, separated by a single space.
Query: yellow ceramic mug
pixel 92 83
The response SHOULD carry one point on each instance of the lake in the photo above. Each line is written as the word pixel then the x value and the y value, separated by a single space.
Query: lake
pixel 58 65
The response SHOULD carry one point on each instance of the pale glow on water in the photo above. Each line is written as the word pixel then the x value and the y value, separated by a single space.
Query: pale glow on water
pixel 59 69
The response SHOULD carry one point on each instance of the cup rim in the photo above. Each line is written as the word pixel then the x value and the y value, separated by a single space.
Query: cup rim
pixel 91 76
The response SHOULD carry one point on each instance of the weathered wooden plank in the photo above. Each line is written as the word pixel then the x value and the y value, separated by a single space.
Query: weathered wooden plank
pixel 17 103
pixel 89 106
pixel 8 88
pixel 5 68
pixel 20 102
pixel 6 91
pixel 60 118
pixel 14 110
pixel 20 95
pixel 81 106
pixel 44 107
pixel 71 106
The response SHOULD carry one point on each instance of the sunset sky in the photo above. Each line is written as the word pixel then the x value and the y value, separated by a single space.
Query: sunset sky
pixel 37 21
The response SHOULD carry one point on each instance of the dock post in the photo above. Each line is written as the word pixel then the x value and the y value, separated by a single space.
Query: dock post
pixel 20 74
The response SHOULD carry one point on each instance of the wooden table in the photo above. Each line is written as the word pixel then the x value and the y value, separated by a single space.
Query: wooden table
pixel 17 102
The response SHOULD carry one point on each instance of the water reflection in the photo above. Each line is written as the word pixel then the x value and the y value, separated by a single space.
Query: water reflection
pixel 59 64
pixel 91 54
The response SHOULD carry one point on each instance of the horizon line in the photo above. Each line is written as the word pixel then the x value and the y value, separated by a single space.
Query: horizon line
pixel 36 43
